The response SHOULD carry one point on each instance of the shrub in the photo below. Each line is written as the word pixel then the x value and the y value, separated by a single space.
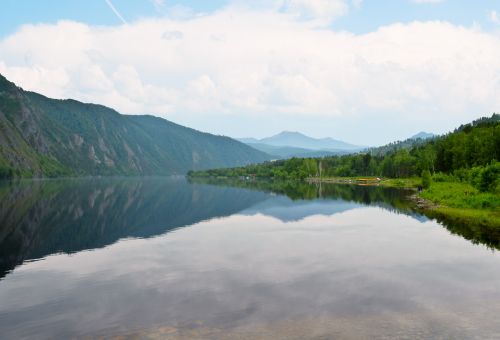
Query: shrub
pixel 489 177
pixel 475 176
pixel 440 177
pixel 426 179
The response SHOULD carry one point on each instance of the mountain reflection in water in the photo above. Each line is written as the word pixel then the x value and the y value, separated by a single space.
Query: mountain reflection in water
pixel 169 258
pixel 42 217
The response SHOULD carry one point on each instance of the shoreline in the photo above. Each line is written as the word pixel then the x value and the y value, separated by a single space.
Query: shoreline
pixel 432 208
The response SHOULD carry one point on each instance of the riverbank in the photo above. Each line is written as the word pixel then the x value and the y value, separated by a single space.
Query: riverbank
pixel 456 201
pixel 407 183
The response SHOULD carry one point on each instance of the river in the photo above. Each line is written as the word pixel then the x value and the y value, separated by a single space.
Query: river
pixel 169 258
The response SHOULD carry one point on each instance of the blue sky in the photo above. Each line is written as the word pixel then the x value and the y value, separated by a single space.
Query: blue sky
pixel 94 12
pixel 368 17
pixel 347 69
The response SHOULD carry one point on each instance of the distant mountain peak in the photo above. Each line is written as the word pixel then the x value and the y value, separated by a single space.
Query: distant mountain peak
pixel 296 139
pixel 422 135
pixel 286 132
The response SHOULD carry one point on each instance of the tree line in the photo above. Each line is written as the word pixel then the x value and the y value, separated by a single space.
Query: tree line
pixel 469 153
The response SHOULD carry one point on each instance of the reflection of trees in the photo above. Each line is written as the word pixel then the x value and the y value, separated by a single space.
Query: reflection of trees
pixel 43 217
pixel 477 233
pixel 393 199
pixel 38 218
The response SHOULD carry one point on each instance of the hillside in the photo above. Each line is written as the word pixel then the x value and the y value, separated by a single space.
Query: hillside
pixel 288 144
pixel 460 152
pixel 299 140
pixel 283 152
pixel 460 172
pixel 41 137
pixel 407 144
pixel 423 135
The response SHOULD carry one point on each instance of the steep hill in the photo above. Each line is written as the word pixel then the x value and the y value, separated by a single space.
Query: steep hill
pixel 40 136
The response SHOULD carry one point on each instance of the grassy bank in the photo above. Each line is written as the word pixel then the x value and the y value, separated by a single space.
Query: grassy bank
pixel 412 182
pixel 462 202
pixel 456 201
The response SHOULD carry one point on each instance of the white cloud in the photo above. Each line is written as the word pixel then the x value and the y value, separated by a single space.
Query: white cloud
pixel 427 1
pixel 159 5
pixel 357 3
pixel 319 12
pixel 493 16
pixel 326 10
pixel 246 65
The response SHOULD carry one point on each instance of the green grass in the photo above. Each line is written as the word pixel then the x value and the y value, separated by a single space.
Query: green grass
pixel 463 203
pixel 461 195
pixel 469 217
pixel 454 201
pixel 411 182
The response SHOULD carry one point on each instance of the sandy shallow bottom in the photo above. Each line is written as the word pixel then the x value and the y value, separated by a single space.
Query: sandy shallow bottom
pixel 395 326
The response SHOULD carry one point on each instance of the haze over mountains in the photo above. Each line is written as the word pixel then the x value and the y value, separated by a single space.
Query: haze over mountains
pixel 422 135
pixel 40 136
pixel 48 137
pixel 295 144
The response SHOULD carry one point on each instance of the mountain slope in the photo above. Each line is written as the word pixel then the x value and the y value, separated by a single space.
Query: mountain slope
pixel 280 152
pixel 470 153
pixel 422 135
pixel 289 144
pixel 299 140
pixel 420 138
pixel 40 136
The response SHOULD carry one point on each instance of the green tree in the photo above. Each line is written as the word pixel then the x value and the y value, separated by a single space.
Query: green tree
pixel 490 177
pixel 426 179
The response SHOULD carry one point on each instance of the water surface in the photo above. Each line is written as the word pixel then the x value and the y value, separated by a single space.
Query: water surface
pixel 164 258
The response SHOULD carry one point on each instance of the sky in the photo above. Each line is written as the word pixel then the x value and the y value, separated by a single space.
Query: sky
pixel 364 71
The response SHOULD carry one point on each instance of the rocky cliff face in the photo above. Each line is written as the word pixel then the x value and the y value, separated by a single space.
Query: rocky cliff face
pixel 40 136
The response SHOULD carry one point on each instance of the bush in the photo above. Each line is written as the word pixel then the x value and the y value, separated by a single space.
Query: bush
pixel 475 176
pixel 489 177
pixel 440 177
pixel 426 179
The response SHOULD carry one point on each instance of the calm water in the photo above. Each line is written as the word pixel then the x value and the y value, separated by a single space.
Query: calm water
pixel 164 258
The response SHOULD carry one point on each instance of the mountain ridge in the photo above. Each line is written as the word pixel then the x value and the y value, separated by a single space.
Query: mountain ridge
pixel 300 140
pixel 287 144
pixel 44 137
pixel 423 135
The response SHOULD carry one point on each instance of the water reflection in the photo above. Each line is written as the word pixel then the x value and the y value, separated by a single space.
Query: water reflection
pixel 43 217
pixel 392 199
pixel 39 218
pixel 255 260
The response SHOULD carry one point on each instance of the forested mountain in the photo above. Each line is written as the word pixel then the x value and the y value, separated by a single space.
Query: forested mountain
pixel 299 140
pixel 289 144
pixel 423 135
pixel 40 136
pixel 294 144
pixel 469 151
pixel 282 152
pixel 409 143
